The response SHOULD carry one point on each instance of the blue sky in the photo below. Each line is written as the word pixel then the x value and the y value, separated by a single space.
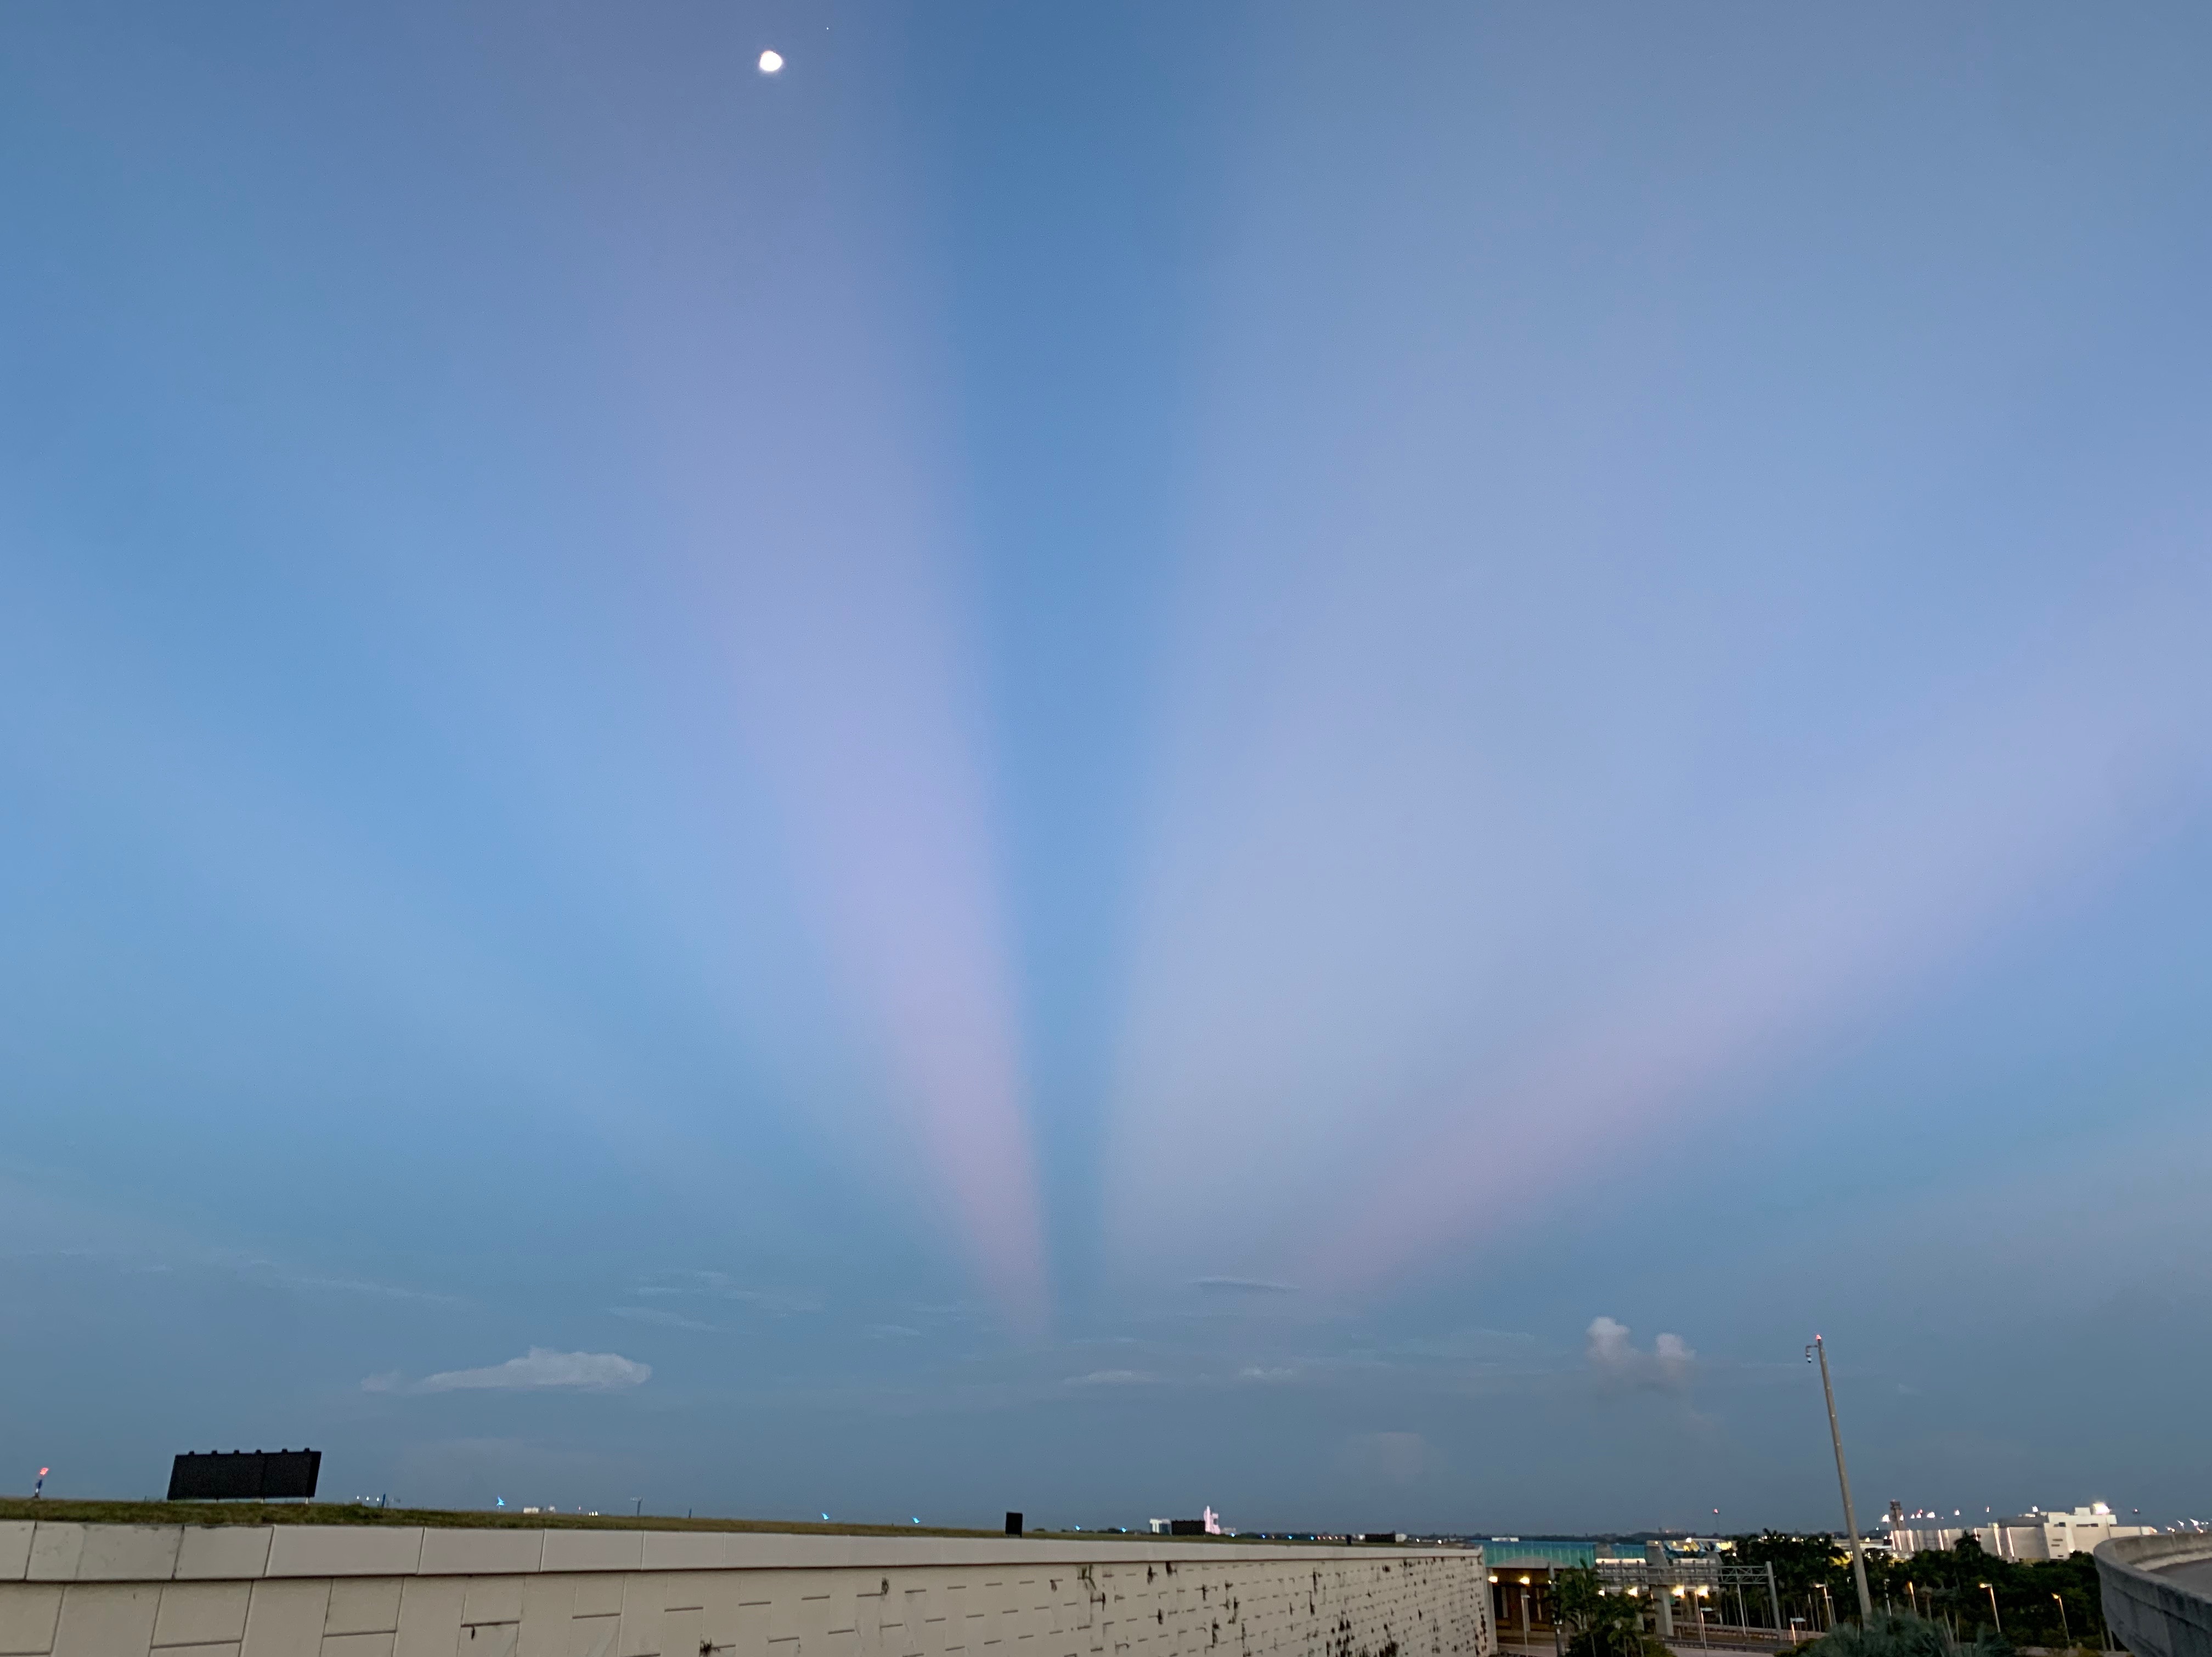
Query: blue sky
pixel 1100 759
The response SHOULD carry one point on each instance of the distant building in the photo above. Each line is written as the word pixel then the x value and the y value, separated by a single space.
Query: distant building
pixel 1208 1524
pixel 2040 1535
pixel 2027 1538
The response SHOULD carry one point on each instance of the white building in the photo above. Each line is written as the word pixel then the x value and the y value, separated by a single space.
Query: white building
pixel 2040 1535
pixel 2034 1535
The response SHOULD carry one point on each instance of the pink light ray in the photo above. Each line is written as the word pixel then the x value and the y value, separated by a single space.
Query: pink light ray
pixel 797 467
pixel 2028 800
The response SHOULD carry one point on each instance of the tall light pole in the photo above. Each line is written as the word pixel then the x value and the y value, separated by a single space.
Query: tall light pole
pixel 1851 1520
pixel 2064 1627
pixel 1993 1618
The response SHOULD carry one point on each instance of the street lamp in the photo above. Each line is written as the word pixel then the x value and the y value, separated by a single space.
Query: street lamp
pixel 1851 1520
pixel 2063 1627
pixel 1993 1618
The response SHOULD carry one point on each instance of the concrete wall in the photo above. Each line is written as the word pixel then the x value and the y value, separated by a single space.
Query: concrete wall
pixel 347 1591
pixel 2157 1594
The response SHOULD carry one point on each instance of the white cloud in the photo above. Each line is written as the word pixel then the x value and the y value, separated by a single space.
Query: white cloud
pixel 540 1367
pixel 1608 1344
pixel 1256 1372
pixel 1112 1378
pixel 1618 1360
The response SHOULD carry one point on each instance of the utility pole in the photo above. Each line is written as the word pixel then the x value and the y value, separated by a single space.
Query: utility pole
pixel 1851 1520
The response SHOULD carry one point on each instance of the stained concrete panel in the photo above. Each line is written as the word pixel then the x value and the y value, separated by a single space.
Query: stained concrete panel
pixel 201 1613
pixel 489 1639
pixel 285 1618
pixel 430 1617
pixel 493 1599
pixel 344 1551
pixel 680 1632
pixel 128 1553
pixel 593 1637
pixel 480 1553
pixel 364 1605
pixel 600 1596
pixel 107 1619
pixel 15 1548
pixel 642 1605
pixel 357 1645
pixel 54 1552
pixel 693 1551
pixel 548 1604
pixel 28 1612
pixel 593 1551
pixel 220 1552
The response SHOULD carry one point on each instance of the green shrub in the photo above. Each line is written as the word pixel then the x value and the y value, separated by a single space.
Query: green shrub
pixel 1906 1636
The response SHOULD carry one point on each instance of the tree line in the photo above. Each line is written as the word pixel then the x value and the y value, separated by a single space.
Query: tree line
pixel 2054 1603
pixel 1946 1602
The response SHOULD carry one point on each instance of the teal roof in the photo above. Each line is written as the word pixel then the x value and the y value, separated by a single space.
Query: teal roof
pixel 1502 1556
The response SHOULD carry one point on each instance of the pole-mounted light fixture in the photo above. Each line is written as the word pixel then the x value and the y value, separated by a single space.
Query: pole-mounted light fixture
pixel 1818 1349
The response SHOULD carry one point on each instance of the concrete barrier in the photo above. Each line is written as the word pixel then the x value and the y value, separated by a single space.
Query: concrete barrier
pixel 345 1591
pixel 2158 1592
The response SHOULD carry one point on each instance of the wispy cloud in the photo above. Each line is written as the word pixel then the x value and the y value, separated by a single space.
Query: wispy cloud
pixel 719 1285
pixel 1113 1378
pixel 537 1368
pixel 1241 1286
pixel 1477 1345
pixel 312 1284
pixel 666 1320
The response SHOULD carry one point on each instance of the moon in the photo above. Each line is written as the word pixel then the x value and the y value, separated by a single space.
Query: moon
pixel 770 62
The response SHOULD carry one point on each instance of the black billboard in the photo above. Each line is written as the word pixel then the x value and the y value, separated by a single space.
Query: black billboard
pixel 245 1475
